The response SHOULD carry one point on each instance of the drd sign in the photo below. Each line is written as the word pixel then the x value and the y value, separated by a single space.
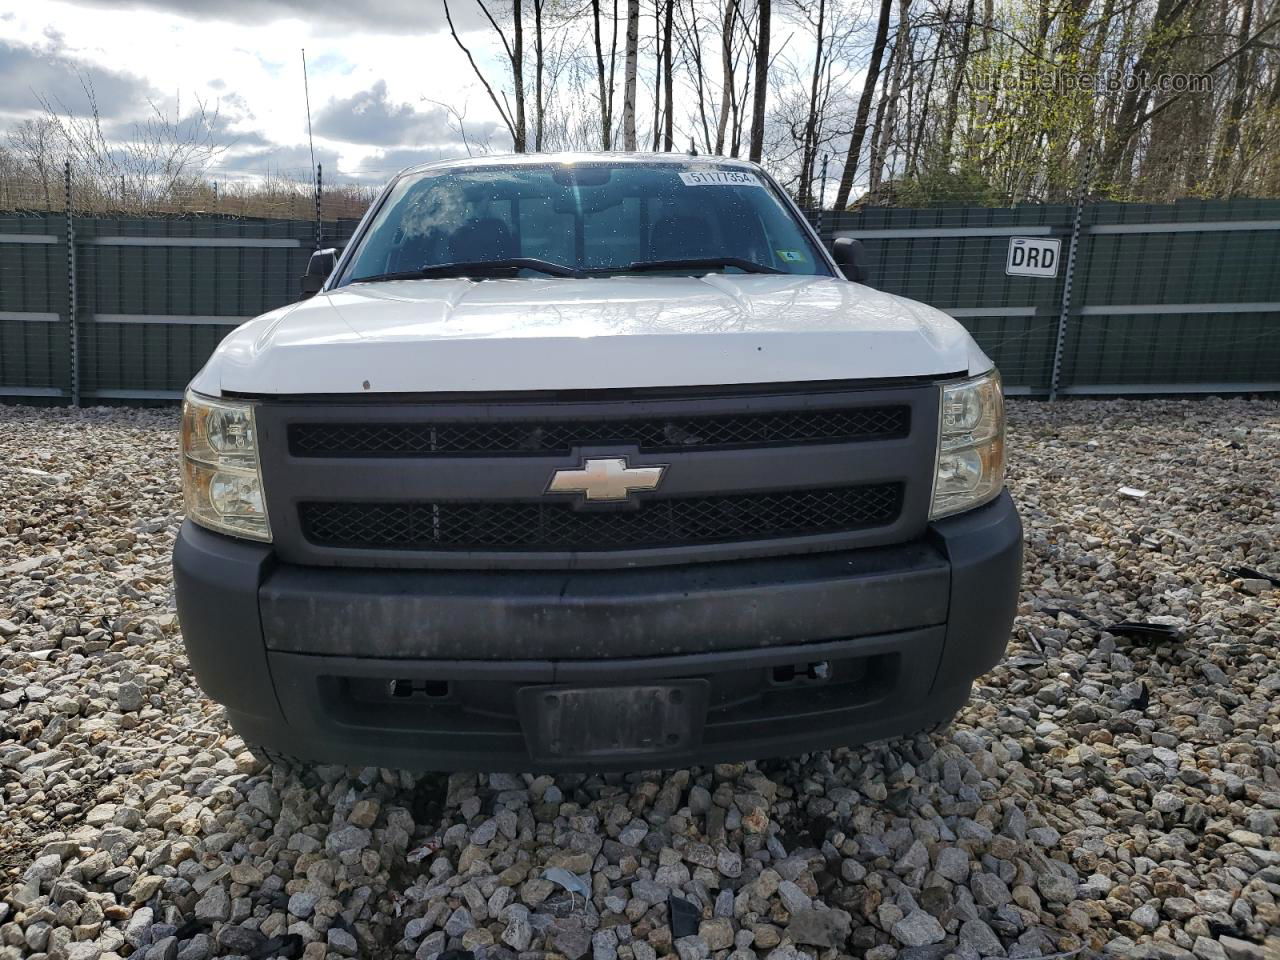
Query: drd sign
pixel 1032 257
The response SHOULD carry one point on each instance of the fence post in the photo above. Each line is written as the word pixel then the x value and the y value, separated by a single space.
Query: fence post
pixel 319 191
pixel 73 333
pixel 1067 282
pixel 822 196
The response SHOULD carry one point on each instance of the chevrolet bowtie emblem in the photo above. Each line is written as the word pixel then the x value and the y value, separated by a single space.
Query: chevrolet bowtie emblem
pixel 606 478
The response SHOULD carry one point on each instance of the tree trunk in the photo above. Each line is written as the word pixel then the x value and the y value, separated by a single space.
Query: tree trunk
pixel 657 74
pixel 903 126
pixel 953 95
pixel 1150 61
pixel 606 99
pixel 756 150
pixel 886 132
pixel 613 62
pixel 927 99
pixel 507 119
pixel 987 104
pixel 695 51
pixel 739 110
pixel 1235 111
pixel 539 65
pixel 668 131
pixel 726 71
pixel 874 155
pixel 1255 141
pixel 517 76
pixel 629 79
pixel 809 150
pixel 864 105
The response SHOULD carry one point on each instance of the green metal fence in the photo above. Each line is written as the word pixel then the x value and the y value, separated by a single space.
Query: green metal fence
pixel 1179 298
pixel 1161 299
pixel 152 297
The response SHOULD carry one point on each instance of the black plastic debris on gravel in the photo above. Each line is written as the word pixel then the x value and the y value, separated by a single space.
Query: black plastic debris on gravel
pixel 684 915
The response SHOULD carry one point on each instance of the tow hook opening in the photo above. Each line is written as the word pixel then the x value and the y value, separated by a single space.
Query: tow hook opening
pixel 418 689
pixel 814 671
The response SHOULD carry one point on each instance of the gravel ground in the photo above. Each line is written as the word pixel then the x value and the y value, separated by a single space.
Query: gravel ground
pixel 1101 794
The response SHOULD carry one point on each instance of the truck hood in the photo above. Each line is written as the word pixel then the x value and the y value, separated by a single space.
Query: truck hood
pixel 432 336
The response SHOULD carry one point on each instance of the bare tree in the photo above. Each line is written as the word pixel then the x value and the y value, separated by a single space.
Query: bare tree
pixel 657 74
pixel 668 116
pixel 161 156
pixel 457 118
pixel 809 151
pixel 957 80
pixel 629 80
pixel 663 108
pixel 901 57
pixel 1164 32
pixel 864 105
pixel 517 70
pixel 691 53
pixel 36 145
pixel 727 30
pixel 539 69
pixel 875 159
pixel 515 57
pixel 756 149
pixel 514 122
pixel 927 97
pixel 606 84
pixel 906 93
pixel 1240 92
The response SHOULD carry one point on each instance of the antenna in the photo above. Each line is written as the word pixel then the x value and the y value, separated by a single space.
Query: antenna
pixel 306 91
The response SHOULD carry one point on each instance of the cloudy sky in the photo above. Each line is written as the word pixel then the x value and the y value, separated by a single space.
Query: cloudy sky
pixel 376 71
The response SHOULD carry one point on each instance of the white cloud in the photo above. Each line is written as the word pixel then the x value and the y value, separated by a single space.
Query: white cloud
pixel 29 74
pixel 369 116
pixel 385 65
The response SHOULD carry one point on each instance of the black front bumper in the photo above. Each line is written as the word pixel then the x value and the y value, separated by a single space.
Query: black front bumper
pixel 444 669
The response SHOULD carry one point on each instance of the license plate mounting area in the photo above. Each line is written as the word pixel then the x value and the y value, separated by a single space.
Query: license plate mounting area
pixel 563 722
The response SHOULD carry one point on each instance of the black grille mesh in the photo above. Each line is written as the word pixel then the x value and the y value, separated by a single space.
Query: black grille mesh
pixel 557 526
pixel 561 436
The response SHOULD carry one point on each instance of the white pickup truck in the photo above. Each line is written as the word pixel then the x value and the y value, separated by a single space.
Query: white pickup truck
pixel 592 461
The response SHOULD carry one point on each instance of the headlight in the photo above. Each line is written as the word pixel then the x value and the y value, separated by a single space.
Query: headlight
pixel 221 478
pixel 970 465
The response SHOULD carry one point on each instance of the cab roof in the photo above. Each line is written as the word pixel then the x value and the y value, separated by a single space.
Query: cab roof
pixel 600 156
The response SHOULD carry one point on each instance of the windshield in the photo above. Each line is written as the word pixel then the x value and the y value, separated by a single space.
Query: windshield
pixel 594 217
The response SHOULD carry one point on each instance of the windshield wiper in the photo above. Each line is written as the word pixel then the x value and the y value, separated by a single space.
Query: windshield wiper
pixel 701 263
pixel 476 268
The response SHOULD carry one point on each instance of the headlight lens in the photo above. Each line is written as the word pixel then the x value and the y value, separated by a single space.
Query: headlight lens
pixel 221 477
pixel 970 465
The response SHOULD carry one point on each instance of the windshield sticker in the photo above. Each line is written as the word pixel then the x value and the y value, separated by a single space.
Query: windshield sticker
pixel 790 256
pixel 721 178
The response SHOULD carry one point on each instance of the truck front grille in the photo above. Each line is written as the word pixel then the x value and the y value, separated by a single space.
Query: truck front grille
pixel 456 481
pixel 676 521
pixel 649 434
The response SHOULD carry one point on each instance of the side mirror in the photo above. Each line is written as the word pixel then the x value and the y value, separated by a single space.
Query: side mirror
pixel 851 256
pixel 319 267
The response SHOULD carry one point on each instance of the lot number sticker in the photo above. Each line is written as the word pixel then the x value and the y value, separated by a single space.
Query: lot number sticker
pixel 1030 257
pixel 721 178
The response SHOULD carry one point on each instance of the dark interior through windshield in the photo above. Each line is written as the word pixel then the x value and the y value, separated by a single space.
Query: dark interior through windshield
pixel 595 217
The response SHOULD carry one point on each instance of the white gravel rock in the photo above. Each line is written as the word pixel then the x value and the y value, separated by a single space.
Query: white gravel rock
pixel 918 929
pixel 1098 794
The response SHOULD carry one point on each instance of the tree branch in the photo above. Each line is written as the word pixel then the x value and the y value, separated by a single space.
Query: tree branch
pixel 511 127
